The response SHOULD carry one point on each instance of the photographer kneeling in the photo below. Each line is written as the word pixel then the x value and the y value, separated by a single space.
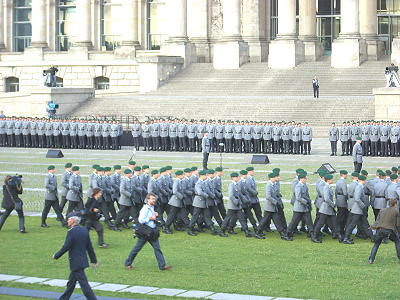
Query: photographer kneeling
pixel 147 231
pixel 11 188
pixel 92 216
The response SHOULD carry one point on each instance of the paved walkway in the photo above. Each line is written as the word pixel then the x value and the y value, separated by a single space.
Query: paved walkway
pixel 112 287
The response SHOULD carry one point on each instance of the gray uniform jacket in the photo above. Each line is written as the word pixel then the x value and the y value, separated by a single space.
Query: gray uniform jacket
pixel 107 188
pixel 276 134
pixel 33 128
pixel 200 131
pixel 350 193
pixel 217 183
pixel 182 130
pixel 295 181
pixel 303 201
pixel 267 133
pixel 188 191
pixel 145 131
pixel 65 128
pixel 383 133
pixel 56 128
pixel 48 129
pixel 105 130
pixel 344 134
pixel 90 189
pixel 65 183
pixel 153 187
pixel 237 132
pixel 320 185
pixel 393 191
pixel 200 198
pixel 205 145
pixel 219 132
pixel 73 128
pixel 211 131
pixel 178 194
pixel 359 200
pixel 50 183
pixel 271 197
pixel 18 127
pixel 164 130
pixel 228 132
pixel 394 134
pixel 137 189
pixel 374 133
pixel 380 201
pixel 327 205
pixel 81 129
pixel 251 188
pixel 247 132
pixel 126 191
pixel 75 188
pixel 136 130
pixel 173 130
pixel 89 129
pixel 306 134
pixel 25 127
pixel 357 153
pixel 341 193
pixel 296 134
pixel 115 184
pixel 234 196
pixel 3 125
pixel 163 189
pixel 333 134
pixel 191 131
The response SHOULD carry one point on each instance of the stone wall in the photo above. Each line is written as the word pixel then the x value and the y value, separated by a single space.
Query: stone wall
pixel 387 103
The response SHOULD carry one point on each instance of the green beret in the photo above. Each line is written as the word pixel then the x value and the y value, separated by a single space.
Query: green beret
pixel 381 173
pixel 187 170
pixel 355 174
pixel 364 172
pixel 218 169
pixel 210 171
pixel 243 172
pixel 361 177
pixel 388 172
pixel 358 139
pixel 68 165
pixel 394 169
pixel 127 171
pixel 202 172
pixel 276 171
pixel 178 173
pixel 132 162
pixel 272 175
pixel 162 169
pixel 95 166
pixel 194 169
pixel 51 168
pixel 168 168
pixel 100 169
pixel 302 175
pixel 298 171
pixel 250 169
pixel 145 167
pixel 136 169
pixel 343 172
pixel 328 176
pixel 75 168
pixel 234 174
pixel 154 172
pixel 107 169
pixel 394 176
pixel 117 167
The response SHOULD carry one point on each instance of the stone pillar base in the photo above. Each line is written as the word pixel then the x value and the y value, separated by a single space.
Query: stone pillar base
pixel 348 53
pixel 258 49
pixel 203 50
pixel 230 55
pixel 395 57
pixel 375 49
pixel 126 52
pixel 78 53
pixel 34 53
pixel 313 50
pixel 184 49
pixel 285 53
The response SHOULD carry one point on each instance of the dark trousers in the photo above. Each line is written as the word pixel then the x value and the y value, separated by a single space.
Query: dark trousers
pixel 333 147
pixel 393 149
pixel 57 141
pixel 74 141
pixel 249 215
pixel 247 146
pixel 276 147
pixel 177 213
pixel 10 140
pixel 147 143
pixel 374 148
pixel 98 227
pixel 344 147
pixel 34 141
pixel 21 218
pixel 197 212
pixel 296 147
pixel 25 138
pixel 66 143
pixel 215 213
pixel 357 167
pixel 74 205
pixel 256 207
pixel 174 143
pixel 275 217
pixel 297 217
pixel 156 142
pixel 365 147
pixel 48 204
pixel 98 141
pixel 384 234
pixel 205 160
pixel 139 245
pixel 238 145
pixel 316 92
pixel 342 215
pixel 357 220
pixel 231 217
pixel 123 214
pixel 221 207
pixel 3 139
pixel 182 144
pixel 160 209
pixel 63 202
pixel 18 140
pixel 384 148
pixel 330 220
pixel 307 147
pixel 90 142
pixel 80 276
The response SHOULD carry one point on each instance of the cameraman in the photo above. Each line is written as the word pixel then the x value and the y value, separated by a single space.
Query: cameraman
pixel 11 189
pixel 51 109
pixel 92 215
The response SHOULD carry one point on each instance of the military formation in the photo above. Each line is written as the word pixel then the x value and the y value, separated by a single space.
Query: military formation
pixel 193 200
pixel 225 136
pixel 59 133
pixel 379 138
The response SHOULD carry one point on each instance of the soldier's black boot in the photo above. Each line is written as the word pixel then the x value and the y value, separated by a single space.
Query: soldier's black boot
pixel 347 240
pixel 44 225
pixel 191 232
pixel 166 230
pixel 315 238
pixel 214 231
pixel 223 234
pixel 257 235
pixel 248 233
pixel 232 231
pixel 285 237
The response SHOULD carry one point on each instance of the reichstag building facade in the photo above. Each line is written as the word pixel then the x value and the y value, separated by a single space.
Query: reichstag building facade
pixel 109 44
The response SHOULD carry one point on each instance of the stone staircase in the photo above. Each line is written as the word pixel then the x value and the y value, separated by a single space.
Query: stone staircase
pixel 255 93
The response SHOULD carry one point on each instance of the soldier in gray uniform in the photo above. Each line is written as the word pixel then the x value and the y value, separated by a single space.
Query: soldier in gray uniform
pixel 90 135
pixel 17 132
pixel 65 184
pixel 56 125
pixel 147 142
pixel 210 128
pixel 33 125
pixel 238 137
pixel 75 194
pixel 273 203
pixel 115 184
pixel 164 192
pixel 105 132
pixel 136 133
pixel 276 136
pixel 393 189
pixel 374 138
pixel 40 131
pixel 73 134
pixel 333 138
pixel 357 155
pixel 137 193
pixel 296 138
pixel 394 138
pixel 107 192
pixel 65 134
pixel 383 139
pixel 306 135
pixel 379 194
pixel 49 134
pixel 364 130
pixel 25 133
pixel 191 135
pixel 153 187
pixel 10 132
pixel 357 212
pixel 344 137
pixel 341 201
pixel 200 130
pixel 354 133
pixel 114 133
pixel 82 134
pixel 247 136
pixel 219 136
pixel 327 213
pixel 257 135
pixel 51 197
pixel 173 135
pixel 251 188
pixel 217 181
pixel 213 194
pixel 234 208
pixel 228 137
pixel 125 201
pixel 164 136
pixel 286 134
pixel 3 133
pixel 155 135
pixel 182 136
pixel 98 130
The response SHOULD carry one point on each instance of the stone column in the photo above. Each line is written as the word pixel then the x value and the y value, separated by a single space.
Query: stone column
pixel 349 50
pixel 84 19
pixel 368 29
pixel 178 43
pixel 286 51
pixel 254 29
pixel 2 26
pixel 308 30
pixel 39 24
pixel 198 28
pixel 130 30
pixel 230 52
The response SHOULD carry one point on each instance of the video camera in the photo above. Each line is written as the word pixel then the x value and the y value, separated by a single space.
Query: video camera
pixel 15 180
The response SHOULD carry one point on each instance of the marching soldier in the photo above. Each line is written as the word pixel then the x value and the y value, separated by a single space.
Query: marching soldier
pixel 115 184
pixel 251 187
pixel 107 193
pixel 125 200
pixel 74 195
pixel 217 181
pixel 341 201
pixel 333 138
pixel 65 184
pixel 379 194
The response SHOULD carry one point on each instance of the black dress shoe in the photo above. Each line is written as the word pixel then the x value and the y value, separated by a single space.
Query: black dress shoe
pixel 347 242
pixel 370 261
pixel 260 237
pixel 167 231
pixel 232 231
pixel 23 231
pixel 44 225
pixel 223 234
pixel 192 233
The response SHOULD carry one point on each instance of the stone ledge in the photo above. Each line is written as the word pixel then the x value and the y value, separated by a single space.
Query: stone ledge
pixel 160 59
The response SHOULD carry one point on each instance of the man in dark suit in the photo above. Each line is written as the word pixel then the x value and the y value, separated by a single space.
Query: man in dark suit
pixel 77 243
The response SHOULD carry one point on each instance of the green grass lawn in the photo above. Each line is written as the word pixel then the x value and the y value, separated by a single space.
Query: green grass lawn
pixel 270 267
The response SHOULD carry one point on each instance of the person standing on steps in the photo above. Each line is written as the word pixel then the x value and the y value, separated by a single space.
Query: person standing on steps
pixel 205 148
pixel 315 84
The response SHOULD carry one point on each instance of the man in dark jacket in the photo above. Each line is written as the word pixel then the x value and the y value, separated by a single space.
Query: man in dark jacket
pixel 77 243
pixel 386 227
pixel 92 210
